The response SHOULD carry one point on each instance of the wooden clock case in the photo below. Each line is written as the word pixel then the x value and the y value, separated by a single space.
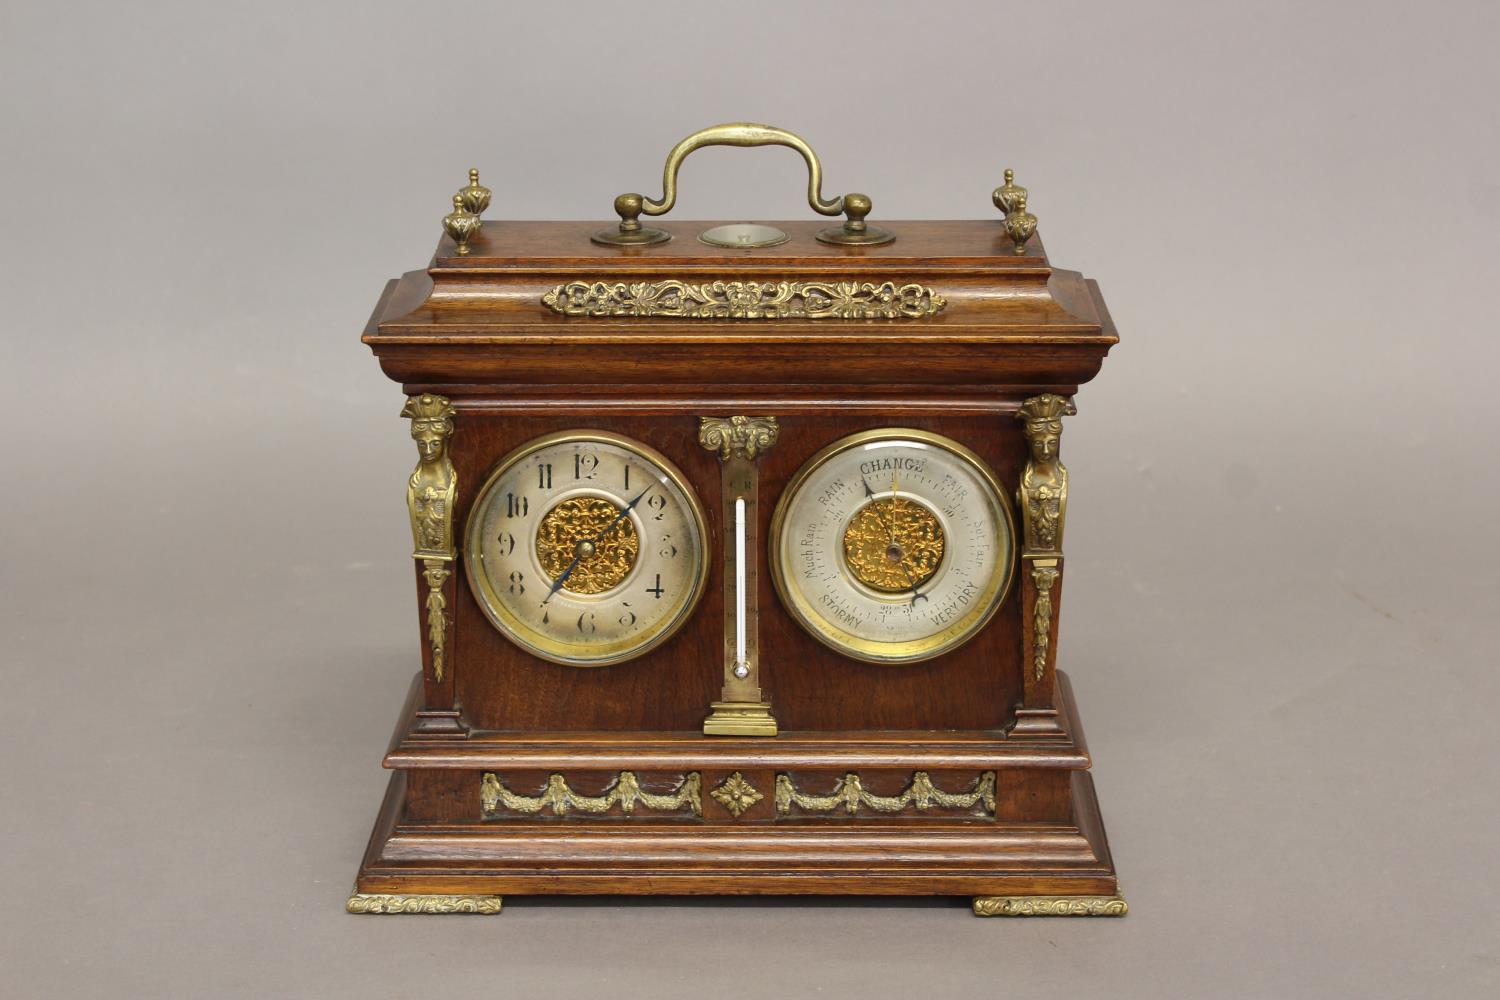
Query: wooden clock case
pixel 475 330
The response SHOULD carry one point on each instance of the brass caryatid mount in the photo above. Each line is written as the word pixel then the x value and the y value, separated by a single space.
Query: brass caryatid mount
pixel 1044 481
pixel 430 495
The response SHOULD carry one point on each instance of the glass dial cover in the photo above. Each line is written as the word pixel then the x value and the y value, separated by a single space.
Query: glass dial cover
pixel 586 548
pixel 893 545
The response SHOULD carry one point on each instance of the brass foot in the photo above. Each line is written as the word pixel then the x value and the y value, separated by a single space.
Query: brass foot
pixel 1050 906
pixel 739 718
pixel 364 902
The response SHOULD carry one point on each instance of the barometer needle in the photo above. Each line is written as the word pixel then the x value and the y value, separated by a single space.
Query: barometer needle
pixel 563 576
pixel 889 530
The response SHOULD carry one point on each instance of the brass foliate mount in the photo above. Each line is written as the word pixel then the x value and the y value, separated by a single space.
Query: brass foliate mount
pixel 855 207
pixel 1010 198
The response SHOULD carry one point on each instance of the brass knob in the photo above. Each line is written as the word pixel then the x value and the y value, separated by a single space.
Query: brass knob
pixel 476 197
pixel 460 224
pixel 628 208
pixel 855 232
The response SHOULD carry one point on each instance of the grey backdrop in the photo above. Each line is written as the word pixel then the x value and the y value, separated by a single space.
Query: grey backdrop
pixel 1282 594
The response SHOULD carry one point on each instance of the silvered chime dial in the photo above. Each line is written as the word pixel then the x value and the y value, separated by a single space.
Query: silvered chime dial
pixel 893 545
pixel 586 548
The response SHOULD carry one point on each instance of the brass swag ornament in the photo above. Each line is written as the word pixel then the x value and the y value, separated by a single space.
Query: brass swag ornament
pixel 850 795
pixel 625 791
pixel 601 642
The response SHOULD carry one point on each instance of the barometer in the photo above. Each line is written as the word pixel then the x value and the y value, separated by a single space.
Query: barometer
pixel 893 545
pixel 586 548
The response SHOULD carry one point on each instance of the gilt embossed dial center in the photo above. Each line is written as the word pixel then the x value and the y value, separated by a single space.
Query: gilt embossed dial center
pixel 588 534
pixel 894 544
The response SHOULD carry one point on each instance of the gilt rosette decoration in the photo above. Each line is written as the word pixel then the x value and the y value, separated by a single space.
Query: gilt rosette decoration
pixel 746 299
pixel 736 794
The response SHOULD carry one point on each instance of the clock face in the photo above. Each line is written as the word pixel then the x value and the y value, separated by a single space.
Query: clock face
pixel 586 548
pixel 893 545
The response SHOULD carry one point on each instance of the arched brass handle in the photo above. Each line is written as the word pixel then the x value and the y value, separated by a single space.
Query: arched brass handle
pixel 631 207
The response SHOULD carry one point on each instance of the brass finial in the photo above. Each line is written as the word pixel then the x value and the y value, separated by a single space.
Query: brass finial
pixel 460 224
pixel 1020 224
pixel 1011 199
pixel 476 197
pixel 1005 197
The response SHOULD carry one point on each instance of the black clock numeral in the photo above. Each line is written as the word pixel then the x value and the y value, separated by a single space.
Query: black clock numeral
pixel 544 477
pixel 517 583
pixel 515 506
pixel 507 543
pixel 656 589
pixel 584 465
pixel 628 618
pixel 586 623
pixel 658 503
pixel 627 477
pixel 546 617
pixel 667 550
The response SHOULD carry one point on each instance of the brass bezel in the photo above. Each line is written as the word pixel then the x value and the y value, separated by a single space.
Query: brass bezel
pixel 998 587
pixel 494 608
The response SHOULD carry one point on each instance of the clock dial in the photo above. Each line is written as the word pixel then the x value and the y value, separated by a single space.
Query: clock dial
pixel 586 548
pixel 893 545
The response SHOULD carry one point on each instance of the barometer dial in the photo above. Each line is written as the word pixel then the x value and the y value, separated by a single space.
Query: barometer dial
pixel 586 548
pixel 893 545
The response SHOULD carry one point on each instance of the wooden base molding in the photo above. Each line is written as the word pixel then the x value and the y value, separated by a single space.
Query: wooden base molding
pixel 1020 833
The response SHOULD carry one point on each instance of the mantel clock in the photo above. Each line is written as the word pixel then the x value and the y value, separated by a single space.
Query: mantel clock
pixel 738 552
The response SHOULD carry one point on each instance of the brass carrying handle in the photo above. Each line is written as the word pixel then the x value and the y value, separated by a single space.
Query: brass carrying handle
pixel 631 206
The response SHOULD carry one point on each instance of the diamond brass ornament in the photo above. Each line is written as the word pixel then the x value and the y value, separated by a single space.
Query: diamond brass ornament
pixel 736 794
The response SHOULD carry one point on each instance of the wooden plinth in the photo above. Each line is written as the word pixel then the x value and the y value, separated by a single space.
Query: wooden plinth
pixel 1044 851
